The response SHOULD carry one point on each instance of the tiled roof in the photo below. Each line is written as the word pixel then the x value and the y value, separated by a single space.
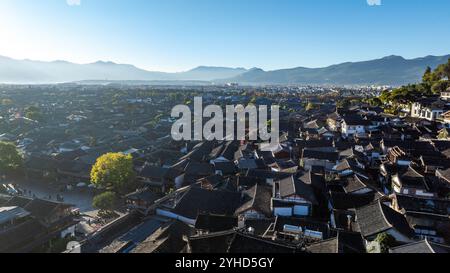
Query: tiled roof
pixel 424 247
pixel 377 218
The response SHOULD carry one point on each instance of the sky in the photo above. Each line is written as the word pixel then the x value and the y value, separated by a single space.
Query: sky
pixel 177 35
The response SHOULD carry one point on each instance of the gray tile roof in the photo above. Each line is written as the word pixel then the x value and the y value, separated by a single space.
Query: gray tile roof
pixel 377 218
pixel 423 246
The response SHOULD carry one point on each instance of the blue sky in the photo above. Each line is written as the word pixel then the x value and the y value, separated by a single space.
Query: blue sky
pixel 176 35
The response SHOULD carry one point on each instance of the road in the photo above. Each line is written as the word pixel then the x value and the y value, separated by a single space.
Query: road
pixel 81 199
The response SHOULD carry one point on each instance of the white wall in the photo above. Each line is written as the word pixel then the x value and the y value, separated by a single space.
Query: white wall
pixel 300 210
pixel 282 212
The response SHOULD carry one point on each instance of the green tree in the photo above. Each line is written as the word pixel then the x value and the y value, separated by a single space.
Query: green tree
pixel 427 75
pixel 105 201
pixel 443 70
pixel 430 77
pixel 440 86
pixel 386 242
pixel 385 96
pixel 34 113
pixel 433 82
pixel 114 171
pixel 10 159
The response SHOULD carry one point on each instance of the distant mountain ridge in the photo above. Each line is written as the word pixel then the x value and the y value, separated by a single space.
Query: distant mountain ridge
pixel 391 70
pixel 27 71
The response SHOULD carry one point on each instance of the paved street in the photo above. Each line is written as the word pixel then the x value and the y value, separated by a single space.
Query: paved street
pixel 81 198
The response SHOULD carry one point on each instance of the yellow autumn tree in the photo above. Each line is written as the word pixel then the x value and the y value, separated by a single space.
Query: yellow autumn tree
pixel 114 172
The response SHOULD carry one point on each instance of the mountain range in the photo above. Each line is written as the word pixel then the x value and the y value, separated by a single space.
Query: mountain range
pixel 391 70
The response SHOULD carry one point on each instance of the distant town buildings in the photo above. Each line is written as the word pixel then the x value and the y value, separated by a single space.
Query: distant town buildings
pixel 341 178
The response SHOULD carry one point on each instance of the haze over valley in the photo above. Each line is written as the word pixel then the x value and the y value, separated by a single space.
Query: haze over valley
pixel 391 70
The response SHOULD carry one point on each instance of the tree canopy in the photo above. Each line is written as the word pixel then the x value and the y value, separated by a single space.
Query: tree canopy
pixel 386 242
pixel 34 113
pixel 10 159
pixel 433 82
pixel 105 201
pixel 114 171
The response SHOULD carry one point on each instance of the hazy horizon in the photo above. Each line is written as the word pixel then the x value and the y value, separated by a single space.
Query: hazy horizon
pixel 218 65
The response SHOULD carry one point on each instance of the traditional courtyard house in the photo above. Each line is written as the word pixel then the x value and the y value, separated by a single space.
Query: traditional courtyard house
pixel 293 197
pixel 354 125
pixel 189 203
pixel 27 224
pixel 411 182
pixel 427 216
pixel 378 218
pixel 325 158
pixel 430 108
pixel 141 200
pixel 343 207
pixel 257 203
pixel 154 178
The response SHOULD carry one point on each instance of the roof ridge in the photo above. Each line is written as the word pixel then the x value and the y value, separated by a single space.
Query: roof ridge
pixel 337 242
pixel 414 170
pixel 382 213
pixel 254 195
pixel 428 245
